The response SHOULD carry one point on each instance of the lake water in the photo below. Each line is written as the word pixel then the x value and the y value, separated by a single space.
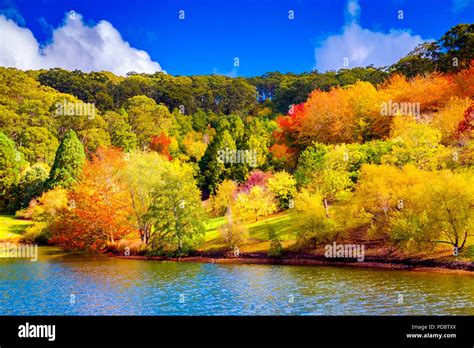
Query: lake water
pixel 65 284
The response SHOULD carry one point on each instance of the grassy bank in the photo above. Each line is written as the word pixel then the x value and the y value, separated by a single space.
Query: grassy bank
pixel 11 228
pixel 258 244
pixel 258 234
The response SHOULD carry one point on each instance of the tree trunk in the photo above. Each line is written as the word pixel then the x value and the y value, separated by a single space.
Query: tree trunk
pixel 326 207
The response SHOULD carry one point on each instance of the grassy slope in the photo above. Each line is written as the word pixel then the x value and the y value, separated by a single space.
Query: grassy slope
pixel 258 233
pixel 258 239
pixel 11 228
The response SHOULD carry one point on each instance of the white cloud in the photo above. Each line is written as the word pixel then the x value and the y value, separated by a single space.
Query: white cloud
pixel 353 9
pixel 18 46
pixel 74 46
pixel 231 73
pixel 358 46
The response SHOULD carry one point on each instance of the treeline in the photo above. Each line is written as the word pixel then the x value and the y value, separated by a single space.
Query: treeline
pixel 277 91
pixel 156 145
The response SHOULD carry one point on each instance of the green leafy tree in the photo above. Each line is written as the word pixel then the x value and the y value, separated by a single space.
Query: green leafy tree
pixel 283 186
pixel 10 164
pixel 177 213
pixel 457 47
pixel 147 118
pixel 276 249
pixel 311 160
pixel 120 131
pixel 212 166
pixel 421 60
pixel 38 145
pixel 31 184
pixel 200 120
pixel 94 138
pixel 68 162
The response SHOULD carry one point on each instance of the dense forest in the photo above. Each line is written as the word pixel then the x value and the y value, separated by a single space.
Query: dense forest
pixel 144 161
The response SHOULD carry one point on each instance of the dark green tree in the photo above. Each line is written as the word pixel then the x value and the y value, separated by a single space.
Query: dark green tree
pixel 31 184
pixel 68 162
pixel 457 48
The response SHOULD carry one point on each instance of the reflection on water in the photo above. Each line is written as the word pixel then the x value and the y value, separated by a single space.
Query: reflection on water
pixel 65 284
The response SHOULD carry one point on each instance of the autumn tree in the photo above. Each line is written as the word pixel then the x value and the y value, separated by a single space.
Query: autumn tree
pixel 255 178
pixel 413 209
pixel 141 174
pixel 258 202
pixel 224 197
pixel 99 207
pixel 194 146
pixel 233 231
pixel 466 126
pixel 161 143
pixel 414 143
pixel 310 220
pixel 44 211
pixel 283 187
pixel 447 119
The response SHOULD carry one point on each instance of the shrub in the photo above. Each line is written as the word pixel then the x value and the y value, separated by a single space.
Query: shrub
pixel 276 249
pixel 310 220
pixel 233 232
pixel 37 233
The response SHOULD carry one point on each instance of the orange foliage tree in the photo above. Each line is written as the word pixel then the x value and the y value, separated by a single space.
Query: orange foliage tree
pixel 355 113
pixel 464 82
pixel 432 91
pixel 99 208
pixel 346 114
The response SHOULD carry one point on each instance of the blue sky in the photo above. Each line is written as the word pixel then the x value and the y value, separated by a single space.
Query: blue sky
pixel 213 33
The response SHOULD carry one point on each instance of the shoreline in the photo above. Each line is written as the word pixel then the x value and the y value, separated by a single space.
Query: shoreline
pixel 416 265
pixel 460 267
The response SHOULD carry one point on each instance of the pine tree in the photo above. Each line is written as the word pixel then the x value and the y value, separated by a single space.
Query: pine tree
pixel 68 162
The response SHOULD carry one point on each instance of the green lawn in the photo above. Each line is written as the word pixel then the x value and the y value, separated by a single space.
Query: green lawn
pixel 258 233
pixel 12 228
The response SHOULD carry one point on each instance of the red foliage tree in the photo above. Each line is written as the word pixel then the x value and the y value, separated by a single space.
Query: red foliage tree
pixel 466 126
pixel 289 125
pixel 160 143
